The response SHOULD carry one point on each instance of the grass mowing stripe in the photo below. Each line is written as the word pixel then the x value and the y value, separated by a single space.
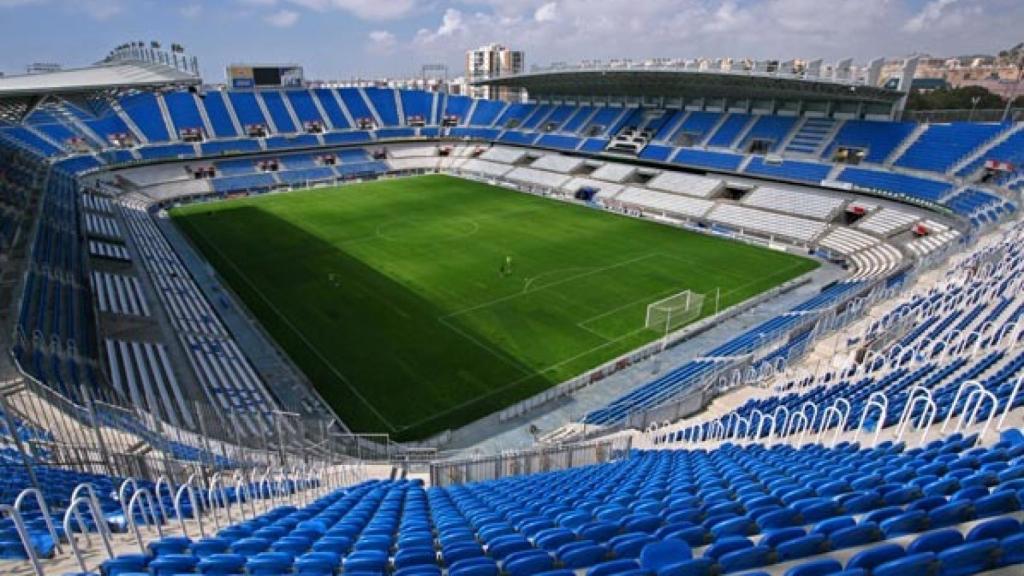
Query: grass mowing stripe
pixel 353 281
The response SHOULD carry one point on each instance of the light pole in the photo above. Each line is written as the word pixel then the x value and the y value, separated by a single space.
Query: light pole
pixel 1014 90
pixel 974 106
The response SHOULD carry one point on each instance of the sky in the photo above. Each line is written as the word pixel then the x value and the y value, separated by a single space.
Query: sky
pixel 344 39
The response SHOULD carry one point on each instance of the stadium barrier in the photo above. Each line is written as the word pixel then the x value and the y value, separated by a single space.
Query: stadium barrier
pixel 543 459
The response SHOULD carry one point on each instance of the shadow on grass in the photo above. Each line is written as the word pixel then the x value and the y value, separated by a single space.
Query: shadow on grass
pixel 374 349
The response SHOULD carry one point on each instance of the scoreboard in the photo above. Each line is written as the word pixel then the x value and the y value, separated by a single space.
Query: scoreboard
pixel 265 76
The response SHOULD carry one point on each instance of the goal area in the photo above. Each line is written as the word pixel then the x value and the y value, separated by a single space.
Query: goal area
pixel 675 311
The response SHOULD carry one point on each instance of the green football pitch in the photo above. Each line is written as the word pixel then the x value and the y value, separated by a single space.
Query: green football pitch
pixel 420 304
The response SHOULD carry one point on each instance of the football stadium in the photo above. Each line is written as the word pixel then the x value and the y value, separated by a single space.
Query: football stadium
pixel 671 317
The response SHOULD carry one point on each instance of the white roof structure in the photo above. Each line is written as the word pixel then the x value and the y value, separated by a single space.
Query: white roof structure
pixel 126 69
pixel 122 75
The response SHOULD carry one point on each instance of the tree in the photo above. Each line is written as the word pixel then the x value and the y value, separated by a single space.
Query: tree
pixel 955 99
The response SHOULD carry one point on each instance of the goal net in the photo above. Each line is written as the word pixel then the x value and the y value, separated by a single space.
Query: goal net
pixel 677 310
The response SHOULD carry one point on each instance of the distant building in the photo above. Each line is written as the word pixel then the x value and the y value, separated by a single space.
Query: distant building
pixel 492 61
pixel 42 68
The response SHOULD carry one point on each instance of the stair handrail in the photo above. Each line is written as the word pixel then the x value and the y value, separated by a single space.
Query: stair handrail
pixel 43 507
pixel 197 511
pixel 122 497
pixel 875 400
pixel 163 480
pixel 974 400
pixel 97 517
pixel 1000 426
pixel 970 386
pixel 23 535
pixel 137 499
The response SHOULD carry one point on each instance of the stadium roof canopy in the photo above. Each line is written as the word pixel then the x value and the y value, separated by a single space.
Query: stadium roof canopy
pixel 678 84
pixel 20 95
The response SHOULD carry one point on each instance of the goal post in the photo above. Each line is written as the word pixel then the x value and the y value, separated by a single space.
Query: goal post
pixel 677 310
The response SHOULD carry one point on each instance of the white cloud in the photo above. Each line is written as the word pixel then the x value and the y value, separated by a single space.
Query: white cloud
pixel 381 41
pixel 282 18
pixel 364 9
pixel 932 14
pixel 546 13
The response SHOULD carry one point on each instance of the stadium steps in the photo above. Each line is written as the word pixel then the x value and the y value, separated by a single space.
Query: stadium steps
pixel 299 127
pixel 905 145
pixel 829 137
pixel 344 109
pixel 370 106
pixel 723 117
pixel 586 122
pixel 742 136
pixel 172 131
pixel 469 113
pixel 76 125
pixel 207 125
pixel 980 151
pixel 504 109
pixel 810 136
pixel 43 136
pixel 266 113
pixel 797 126
pixel 670 131
pixel 230 107
pixel 434 108
pixel 400 109
pixel 328 124
pixel 136 132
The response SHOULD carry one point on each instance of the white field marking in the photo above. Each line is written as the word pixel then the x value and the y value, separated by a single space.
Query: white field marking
pixel 589 272
pixel 519 381
pixel 284 318
pixel 483 345
pixel 540 372
pixel 529 281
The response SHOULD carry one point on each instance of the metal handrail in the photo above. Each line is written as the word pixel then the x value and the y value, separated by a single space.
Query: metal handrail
pixel 967 385
pixel 44 508
pixel 197 513
pixel 97 518
pixel 163 480
pixel 977 396
pixel 136 498
pixel 22 530
pixel 90 491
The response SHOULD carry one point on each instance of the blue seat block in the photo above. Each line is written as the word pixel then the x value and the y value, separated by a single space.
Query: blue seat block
pixel 823 567
pixel 922 564
pixel 969 558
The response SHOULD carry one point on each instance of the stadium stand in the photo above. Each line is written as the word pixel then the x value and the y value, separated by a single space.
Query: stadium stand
pixel 876 139
pixel 749 488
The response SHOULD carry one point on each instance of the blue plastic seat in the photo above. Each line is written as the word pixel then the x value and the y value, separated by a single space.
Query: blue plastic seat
pixel 969 558
pixel 169 564
pixel 474 567
pixel 922 564
pixel 935 541
pixel 221 564
pixel 692 567
pixel 875 556
pixel 270 564
pixel 906 523
pixel 746 558
pixel 1011 550
pixel 822 567
pixel 583 556
pixel 613 567
pixel 657 555
pixel 802 547
pixel 527 562
pixel 997 528
pixel 859 535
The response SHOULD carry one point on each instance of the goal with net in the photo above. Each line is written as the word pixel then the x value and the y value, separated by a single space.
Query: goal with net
pixel 677 310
